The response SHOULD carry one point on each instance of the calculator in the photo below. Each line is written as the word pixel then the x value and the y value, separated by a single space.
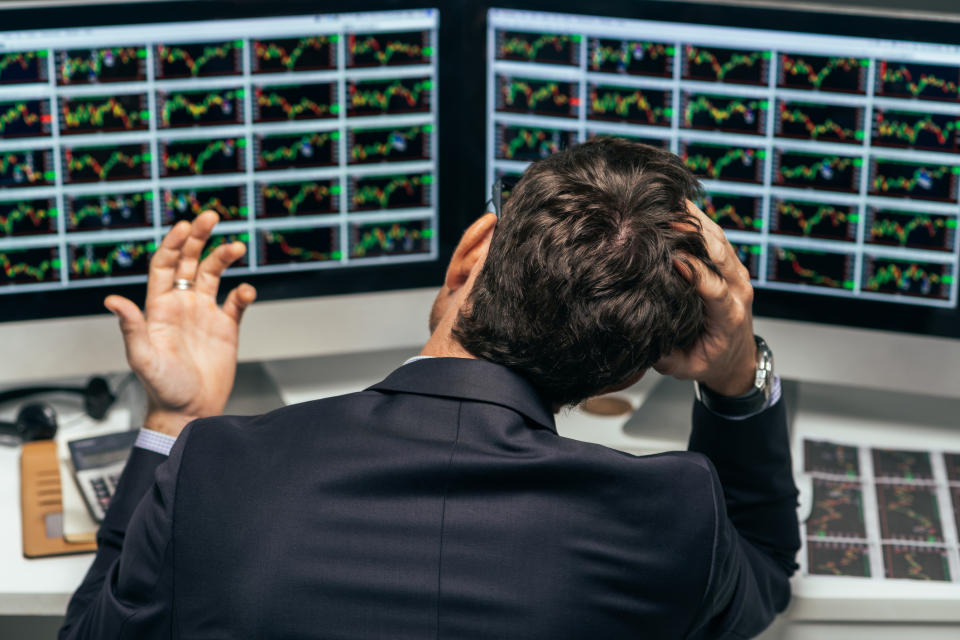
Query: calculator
pixel 97 465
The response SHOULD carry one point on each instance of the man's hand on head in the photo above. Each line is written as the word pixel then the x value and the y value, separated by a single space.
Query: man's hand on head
pixel 184 346
pixel 724 358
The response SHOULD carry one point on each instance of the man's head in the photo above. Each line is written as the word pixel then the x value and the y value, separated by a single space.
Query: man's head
pixel 576 287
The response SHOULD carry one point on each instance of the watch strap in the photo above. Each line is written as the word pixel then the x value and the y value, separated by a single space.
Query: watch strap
pixel 750 402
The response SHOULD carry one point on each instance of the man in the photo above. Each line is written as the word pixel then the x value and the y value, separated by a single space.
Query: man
pixel 441 503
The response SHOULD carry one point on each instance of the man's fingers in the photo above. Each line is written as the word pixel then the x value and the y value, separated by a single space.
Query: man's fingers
pixel 193 247
pixel 163 265
pixel 238 300
pixel 709 285
pixel 132 325
pixel 213 266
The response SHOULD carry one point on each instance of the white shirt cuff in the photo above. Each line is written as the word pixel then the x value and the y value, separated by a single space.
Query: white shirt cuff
pixel 155 441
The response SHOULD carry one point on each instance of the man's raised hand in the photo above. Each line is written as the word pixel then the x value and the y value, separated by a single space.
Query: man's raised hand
pixel 724 358
pixel 183 347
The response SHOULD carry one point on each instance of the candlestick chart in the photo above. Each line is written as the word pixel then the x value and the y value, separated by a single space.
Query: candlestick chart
pixel 314 197
pixel 724 113
pixel 296 150
pixel 629 104
pixel 923 81
pixel 24 119
pixel 735 66
pixel 309 53
pixel 724 162
pixel 542 97
pixel 908 277
pixel 388 49
pixel 817 171
pixel 837 510
pixel 826 123
pixel 197 60
pixel 23 67
pixel 547 48
pixel 901 464
pixel 368 193
pixel 844 74
pixel 28 217
pixel 104 114
pixel 389 144
pixel 109 259
pixel 295 102
pixel 732 211
pixel 186 204
pixel 913 130
pixel 200 108
pixel 820 456
pixel 914 180
pixel 531 143
pixel 631 57
pixel 390 238
pixel 811 267
pixel 103 65
pixel 915 229
pixel 389 96
pixel 838 559
pixel 109 211
pixel 106 163
pixel 201 157
pixel 29 266
pixel 284 246
pixel 916 563
pixel 815 219
pixel 26 168
pixel 909 512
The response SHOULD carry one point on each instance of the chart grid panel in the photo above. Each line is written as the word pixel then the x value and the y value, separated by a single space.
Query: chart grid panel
pixel 313 137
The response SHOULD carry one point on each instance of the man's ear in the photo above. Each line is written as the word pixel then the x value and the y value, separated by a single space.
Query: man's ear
pixel 471 250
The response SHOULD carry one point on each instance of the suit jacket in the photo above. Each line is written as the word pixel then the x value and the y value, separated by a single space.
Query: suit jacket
pixel 441 503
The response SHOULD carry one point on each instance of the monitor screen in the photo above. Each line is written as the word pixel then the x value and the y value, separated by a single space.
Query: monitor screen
pixel 313 136
pixel 830 160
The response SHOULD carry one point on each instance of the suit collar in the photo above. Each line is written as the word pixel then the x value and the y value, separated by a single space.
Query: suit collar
pixel 468 379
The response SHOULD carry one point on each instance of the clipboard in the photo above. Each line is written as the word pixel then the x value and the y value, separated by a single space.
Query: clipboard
pixel 41 503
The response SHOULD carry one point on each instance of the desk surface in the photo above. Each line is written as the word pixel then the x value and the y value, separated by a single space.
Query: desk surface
pixel 43 587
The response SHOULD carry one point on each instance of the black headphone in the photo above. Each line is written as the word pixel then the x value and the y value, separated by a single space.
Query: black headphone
pixel 38 421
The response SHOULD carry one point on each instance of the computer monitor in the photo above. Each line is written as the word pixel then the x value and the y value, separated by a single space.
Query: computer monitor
pixel 826 143
pixel 315 136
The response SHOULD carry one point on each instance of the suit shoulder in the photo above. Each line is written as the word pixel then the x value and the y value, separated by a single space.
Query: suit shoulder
pixel 279 423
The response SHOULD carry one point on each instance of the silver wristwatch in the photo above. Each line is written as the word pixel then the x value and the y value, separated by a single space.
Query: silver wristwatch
pixel 752 401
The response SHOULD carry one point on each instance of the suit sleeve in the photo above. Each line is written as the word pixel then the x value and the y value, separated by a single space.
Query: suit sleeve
pixel 128 591
pixel 756 533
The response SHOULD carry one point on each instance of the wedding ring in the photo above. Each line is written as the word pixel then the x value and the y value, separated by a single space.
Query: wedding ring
pixel 183 284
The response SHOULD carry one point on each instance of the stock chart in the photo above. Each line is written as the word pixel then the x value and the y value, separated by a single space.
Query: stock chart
pixel 312 137
pixel 830 161
pixel 881 512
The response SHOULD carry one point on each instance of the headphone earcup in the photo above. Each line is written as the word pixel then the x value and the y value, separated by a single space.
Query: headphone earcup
pixel 97 398
pixel 36 421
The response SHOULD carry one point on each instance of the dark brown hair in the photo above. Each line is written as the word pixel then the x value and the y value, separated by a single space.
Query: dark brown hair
pixel 579 291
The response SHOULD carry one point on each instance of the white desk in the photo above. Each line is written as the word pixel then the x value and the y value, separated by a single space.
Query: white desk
pixel 822 608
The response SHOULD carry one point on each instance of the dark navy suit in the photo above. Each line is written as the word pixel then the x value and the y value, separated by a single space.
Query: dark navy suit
pixel 441 503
